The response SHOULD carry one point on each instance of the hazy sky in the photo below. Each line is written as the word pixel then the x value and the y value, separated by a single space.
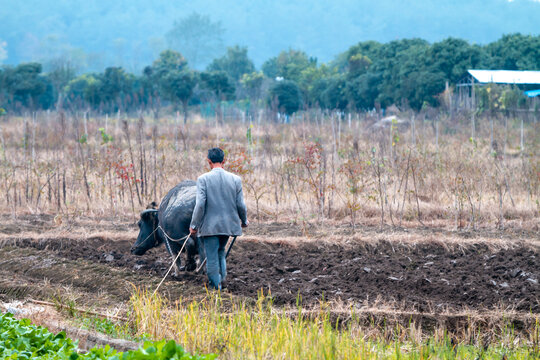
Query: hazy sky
pixel 130 33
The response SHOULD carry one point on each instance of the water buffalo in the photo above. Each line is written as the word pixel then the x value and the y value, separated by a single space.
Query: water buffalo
pixel 173 217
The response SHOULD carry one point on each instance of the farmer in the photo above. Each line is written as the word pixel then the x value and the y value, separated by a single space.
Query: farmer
pixel 219 212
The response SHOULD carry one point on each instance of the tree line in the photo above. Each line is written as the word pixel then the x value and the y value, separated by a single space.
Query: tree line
pixel 409 72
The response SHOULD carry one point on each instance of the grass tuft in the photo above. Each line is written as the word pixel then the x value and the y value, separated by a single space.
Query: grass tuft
pixel 235 329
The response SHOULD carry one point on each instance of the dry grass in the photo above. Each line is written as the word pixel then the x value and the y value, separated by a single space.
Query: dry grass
pixel 305 172
pixel 259 331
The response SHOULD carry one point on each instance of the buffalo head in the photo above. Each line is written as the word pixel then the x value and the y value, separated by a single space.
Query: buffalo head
pixel 148 235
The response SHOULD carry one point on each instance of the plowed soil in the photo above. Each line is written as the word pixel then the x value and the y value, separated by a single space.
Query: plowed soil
pixel 420 276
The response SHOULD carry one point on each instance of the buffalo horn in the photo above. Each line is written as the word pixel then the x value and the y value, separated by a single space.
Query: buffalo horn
pixel 149 211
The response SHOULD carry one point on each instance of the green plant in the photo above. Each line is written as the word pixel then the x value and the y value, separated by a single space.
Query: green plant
pixel 83 139
pixel 112 328
pixel 105 138
pixel 19 339
pixel 249 137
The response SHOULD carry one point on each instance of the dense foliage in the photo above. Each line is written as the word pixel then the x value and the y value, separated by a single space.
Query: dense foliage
pixel 19 339
pixel 408 72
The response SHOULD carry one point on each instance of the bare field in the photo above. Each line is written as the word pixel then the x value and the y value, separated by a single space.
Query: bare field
pixel 428 276
pixel 394 227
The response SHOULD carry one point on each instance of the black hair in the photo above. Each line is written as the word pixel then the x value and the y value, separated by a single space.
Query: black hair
pixel 216 155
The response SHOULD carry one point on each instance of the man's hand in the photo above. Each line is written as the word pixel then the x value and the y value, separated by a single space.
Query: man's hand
pixel 245 225
pixel 192 231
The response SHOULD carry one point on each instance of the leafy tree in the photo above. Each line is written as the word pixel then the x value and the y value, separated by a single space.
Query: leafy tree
pixel 168 60
pixel 25 84
pixel 178 86
pixel 390 58
pixel 220 86
pixel 515 52
pixel 86 88
pixel 61 76
pixel 385 73
pixel 311 83
pixel 110 89
pixel 368 49
pixel 288 65
pixel 422 87
pixel 197 37
pixel 235 63
pixel 335 94
pixel 363 91
pixel 162 78
pixel 408 71
pixel 453 57
pixel 358 65
pixel 315 97
pixel 150 90
pixel 286 96
pixel 252 83
pixel 390 73
pixel 115 85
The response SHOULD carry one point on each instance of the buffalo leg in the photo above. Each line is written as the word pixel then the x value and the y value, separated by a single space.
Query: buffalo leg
pixel 202 254
pixel 191 251
pixel 173 249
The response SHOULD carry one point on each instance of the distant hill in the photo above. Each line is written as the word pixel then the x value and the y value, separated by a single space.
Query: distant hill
pixel 130 33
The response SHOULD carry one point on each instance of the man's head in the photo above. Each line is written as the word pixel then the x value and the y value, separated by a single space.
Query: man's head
pixel 215 156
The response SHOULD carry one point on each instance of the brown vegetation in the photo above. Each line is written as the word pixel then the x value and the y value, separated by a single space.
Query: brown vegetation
pixel 317 168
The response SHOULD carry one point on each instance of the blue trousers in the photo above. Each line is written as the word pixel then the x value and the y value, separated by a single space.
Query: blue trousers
pixel 216 266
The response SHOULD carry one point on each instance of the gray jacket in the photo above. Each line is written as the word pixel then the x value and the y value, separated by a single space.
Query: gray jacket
pixel 220 207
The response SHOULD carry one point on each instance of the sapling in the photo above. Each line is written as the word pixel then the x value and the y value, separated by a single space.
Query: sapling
pixel 82 140
pixel 142 155
pixel 128 138
pixel 377 166
pixel 258 190
pixel 406 175
pixel 352 169
pixel 499 182
pixel 419 214
pixel 154 161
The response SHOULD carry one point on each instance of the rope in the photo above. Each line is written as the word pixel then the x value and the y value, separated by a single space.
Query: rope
pixel 166 235
pixel 170 238
pixel 170 250
pixel 173 263
pixel 152 233
pixel 200 266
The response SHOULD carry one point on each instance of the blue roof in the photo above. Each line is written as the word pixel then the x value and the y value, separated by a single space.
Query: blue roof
pixel 532 93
